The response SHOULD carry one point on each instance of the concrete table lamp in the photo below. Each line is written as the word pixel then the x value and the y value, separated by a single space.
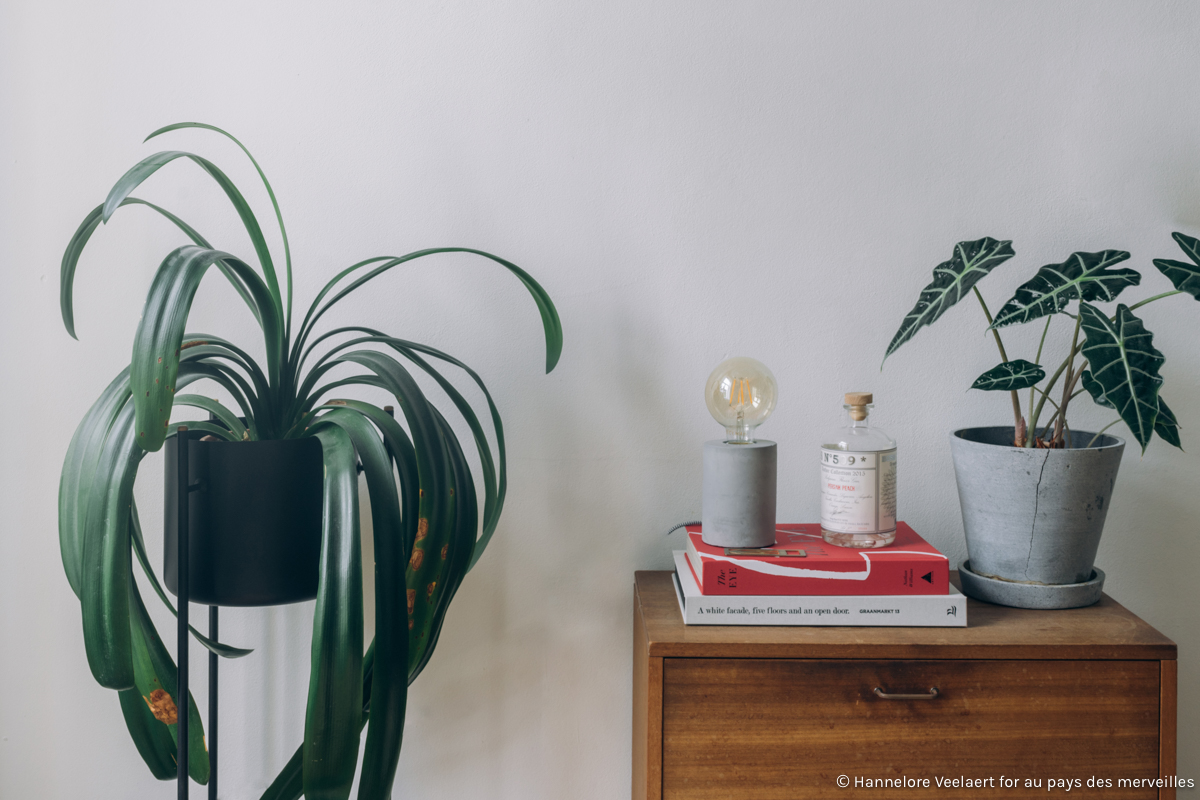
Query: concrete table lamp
pixel 738 506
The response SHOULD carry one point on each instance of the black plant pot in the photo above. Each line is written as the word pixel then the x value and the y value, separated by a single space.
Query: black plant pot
pixel 254 531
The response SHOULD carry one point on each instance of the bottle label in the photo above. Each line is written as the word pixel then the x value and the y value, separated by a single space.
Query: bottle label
pixel 858 491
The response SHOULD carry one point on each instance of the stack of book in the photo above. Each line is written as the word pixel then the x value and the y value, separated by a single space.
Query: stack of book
pixel 804 581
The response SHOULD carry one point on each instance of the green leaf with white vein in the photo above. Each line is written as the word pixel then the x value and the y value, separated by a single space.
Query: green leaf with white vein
pixel 1165 424
pixel 1009 376
pixel 1083 276
pixel 1095 390
pixel 1189 244
pixel 1125 365
pixel 1184 277
pixel 952 279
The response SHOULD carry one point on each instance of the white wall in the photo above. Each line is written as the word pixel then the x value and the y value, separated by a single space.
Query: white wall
pixel 689 180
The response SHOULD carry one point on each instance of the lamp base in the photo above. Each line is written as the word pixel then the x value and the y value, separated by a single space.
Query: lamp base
pixel 738 506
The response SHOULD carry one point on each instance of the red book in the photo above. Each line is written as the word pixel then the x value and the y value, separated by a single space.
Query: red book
pixel 910 565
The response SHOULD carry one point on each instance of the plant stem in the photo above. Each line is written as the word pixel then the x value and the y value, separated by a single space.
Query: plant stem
pixel 1037 412
pixel 1016 402
pixel 1102 430
pixel 1038 360
pixel 1051 401
pixel 1068 383
pixel 1076 374
pixel 1141 303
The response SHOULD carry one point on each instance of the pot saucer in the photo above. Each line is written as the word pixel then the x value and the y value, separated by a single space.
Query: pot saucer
pixel 1031 595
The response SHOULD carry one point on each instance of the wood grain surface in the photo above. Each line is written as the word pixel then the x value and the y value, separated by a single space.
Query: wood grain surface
pixel 1168 717
pixel 781 712
pixel 783 729
pixel 647 713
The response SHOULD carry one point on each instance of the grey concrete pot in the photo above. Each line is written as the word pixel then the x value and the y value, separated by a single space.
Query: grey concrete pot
pixel 1033 516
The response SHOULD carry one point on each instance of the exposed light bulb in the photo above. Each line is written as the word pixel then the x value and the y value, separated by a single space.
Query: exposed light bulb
pixel 740 394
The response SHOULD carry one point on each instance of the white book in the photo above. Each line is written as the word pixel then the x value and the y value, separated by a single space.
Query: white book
pixel 908 611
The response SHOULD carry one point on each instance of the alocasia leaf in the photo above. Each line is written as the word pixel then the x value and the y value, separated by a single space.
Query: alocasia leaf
pixel 1125 365
pixel 1083 276
pixel 1095 390
pixel 951 281
pixel 1165 424
pixel 1011 375
pixel 1184 277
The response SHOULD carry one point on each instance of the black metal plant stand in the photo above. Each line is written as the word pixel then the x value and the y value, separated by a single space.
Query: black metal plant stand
pixel 295 573
pixel 183 703
pixel 282 508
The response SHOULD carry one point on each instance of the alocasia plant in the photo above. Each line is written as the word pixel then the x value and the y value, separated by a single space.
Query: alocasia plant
pixel 1118 366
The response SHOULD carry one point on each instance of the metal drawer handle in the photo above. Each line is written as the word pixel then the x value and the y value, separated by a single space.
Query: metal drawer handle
pixel 933 692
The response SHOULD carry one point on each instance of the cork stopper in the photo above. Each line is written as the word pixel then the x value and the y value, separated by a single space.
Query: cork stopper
pixel 858 402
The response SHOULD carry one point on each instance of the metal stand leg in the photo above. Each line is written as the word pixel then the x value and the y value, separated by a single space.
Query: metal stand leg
pixel 212 706
pixel 181 695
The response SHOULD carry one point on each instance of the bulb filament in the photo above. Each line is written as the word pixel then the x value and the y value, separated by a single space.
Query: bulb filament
pixel 740 398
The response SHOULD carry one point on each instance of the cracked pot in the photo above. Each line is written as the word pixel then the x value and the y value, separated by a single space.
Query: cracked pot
pixel 1033 516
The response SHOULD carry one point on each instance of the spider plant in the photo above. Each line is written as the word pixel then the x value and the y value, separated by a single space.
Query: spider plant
pixel 428 529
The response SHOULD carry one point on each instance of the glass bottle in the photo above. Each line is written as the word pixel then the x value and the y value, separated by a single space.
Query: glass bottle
pixel 858 481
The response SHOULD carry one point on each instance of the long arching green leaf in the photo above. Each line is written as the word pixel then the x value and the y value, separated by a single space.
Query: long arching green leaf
pixel 401 449
pixel 151 164
pixel 550 320
pixel 495 480
pixel 389 691
pixel 1017 374
pixel 70 260
pixel 105 574
pixel 1083 276
pixel 325 290
pixel 289 784
pixel 206 363
pixel 493 493
pixel 157 672
pixel 215 346
pixel 153 741
pixel 331 724
pixel 287 250
pixel 79 466
pixel 139 550
pixel 1125 364
pixel 211 428
pixel 456 555
pixel 157 343
pixel 214 407
pixel 435 521
pixel 952 279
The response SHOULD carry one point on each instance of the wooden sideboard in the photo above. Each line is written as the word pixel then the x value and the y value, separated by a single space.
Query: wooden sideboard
pixel 781 713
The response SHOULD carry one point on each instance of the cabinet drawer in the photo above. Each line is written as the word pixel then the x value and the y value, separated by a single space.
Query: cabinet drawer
pixel 772 729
